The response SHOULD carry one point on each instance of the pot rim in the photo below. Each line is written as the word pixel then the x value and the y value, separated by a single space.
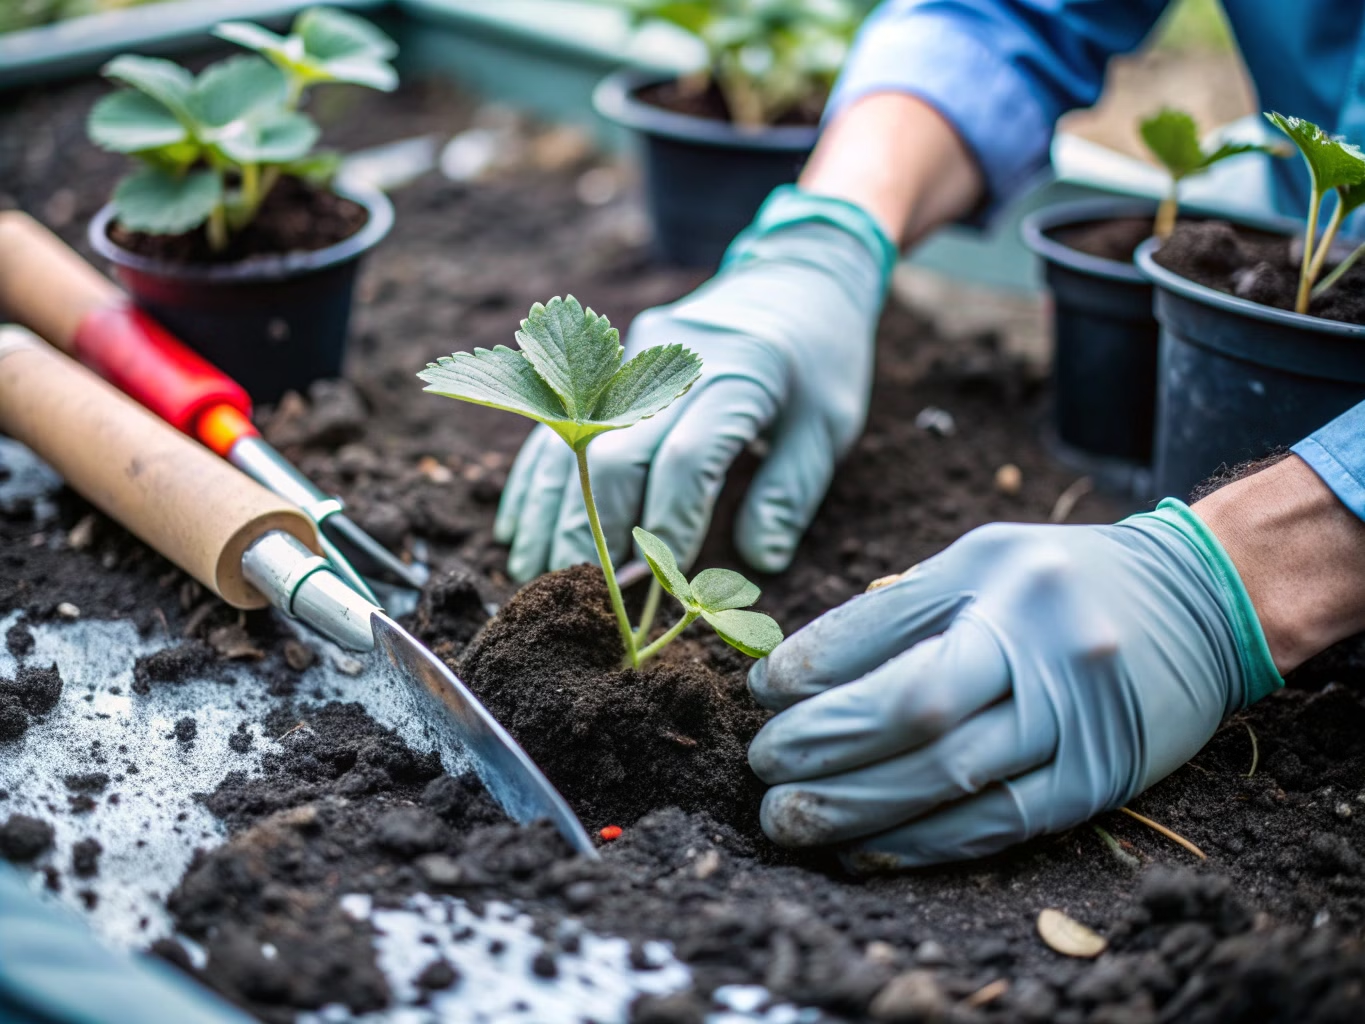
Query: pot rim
pixel 1194 292
pixel 1034 227
pixel 273 267
pixel 614 99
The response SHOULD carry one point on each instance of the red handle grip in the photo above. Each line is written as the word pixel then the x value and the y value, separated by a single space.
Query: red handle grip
pixel 146 362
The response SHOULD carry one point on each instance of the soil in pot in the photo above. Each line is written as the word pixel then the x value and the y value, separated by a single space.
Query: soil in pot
pixel 1256 266
pixel 618 742
pixel 295 217
pixel 1108 239
pixel 682 97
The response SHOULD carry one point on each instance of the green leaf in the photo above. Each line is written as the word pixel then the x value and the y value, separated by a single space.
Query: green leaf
pixel 132 122
pixel 237 88
pixel 717 590
pixel 329 34
pixel 316 168
pixel 574 350
pixel 278 137
pixel 356 71
pixel 253 37
pixel 664 567
pixel 1173 138
pixel 160 203
pixel 1350 197
pixel 647 385
pixel 1332 162
pixel 163 80
pixel 501 379
pixel 753 633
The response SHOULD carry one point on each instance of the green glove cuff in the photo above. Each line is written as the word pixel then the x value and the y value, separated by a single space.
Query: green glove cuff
pixel 788 205
pixel 1259 675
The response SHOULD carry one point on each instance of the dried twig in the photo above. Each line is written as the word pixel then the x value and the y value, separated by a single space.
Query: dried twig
pixel 1174 837
pixel 296 728
pixel 987 993
pixel 1068 499
pixel 1255 750
pixel 1116 848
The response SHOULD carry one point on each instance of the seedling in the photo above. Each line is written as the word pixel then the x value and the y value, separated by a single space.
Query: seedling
pixel 211 147
pixel 767 57
pixel 568 375
pixel 1334 165
pixel 1173 139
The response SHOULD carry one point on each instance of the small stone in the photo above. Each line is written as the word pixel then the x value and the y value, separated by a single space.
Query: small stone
pixel 1068 936
pixel 85 856
pixel 440 870
pixel 434 470
pixel 82 534
pixel 1009 479
pixel 879 952
pixel 347 665
pixel 933 420
pixel 23 838
pixel 932 954
pixel 299 656
pixel 912 997
pixel 1343 810
pixel 68 611
pixel 707 864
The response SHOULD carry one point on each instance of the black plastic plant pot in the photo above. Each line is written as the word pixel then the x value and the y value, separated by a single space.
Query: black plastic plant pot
pixel 1238 380
pixel 704 179
pixel 273 323
pixel 1104 365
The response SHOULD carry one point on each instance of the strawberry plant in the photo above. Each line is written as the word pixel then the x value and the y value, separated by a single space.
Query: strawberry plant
pixel 1173 138
pixel 1334 165
pixel 210 147
pixel 568 375
pixel 768 58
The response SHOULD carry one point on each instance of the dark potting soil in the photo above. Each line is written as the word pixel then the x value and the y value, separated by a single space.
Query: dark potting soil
pixel 682 96
pixel 1267 929
pixel 617 741
pixel 24 838
pixel 295 217
pixel 1108 239
pixel 1259 267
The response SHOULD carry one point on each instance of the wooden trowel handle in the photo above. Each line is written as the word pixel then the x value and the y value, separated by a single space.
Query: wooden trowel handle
pixel 176 495
pixel 44 284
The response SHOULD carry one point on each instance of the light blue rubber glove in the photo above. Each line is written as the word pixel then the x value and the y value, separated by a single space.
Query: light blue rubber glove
pixel 1019 682
pixel 52 971
pixel 785 332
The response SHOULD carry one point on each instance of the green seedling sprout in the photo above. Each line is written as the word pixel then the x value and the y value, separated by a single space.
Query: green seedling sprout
pixel 1173 139
pixel 1334 165
pixel 211 147
pixel 767 57
pixel 569 376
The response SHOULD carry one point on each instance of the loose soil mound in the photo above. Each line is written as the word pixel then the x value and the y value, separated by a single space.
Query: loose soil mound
pixel 1108 239
pixel 1258 267
pixel 617 742
pixel 295 217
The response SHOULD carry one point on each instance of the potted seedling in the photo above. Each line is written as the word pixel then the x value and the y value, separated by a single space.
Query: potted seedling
pixel 1262 339
pixel 569 376
pixel 1105 336
pixel 716 141
pixel 227 229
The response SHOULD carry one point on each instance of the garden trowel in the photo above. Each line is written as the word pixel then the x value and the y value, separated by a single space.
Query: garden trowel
pixel 48 288
pixel 251 548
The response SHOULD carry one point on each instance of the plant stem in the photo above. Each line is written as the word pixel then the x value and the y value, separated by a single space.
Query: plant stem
pixel 1338 271
pixel 608 570
pixel 663 641
pixel 217 228
pixel 651 609
pixel 1166 212
pixel 1309 231
pixel 1325 243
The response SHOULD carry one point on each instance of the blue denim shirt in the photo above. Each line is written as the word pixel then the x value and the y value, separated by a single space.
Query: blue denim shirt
pixel 1003 71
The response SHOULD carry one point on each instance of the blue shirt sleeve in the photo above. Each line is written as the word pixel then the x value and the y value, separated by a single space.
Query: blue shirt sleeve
pixel 1001 71
pixel 1337 454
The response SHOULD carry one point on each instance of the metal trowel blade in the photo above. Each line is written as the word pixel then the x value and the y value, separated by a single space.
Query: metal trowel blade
pixel 512 778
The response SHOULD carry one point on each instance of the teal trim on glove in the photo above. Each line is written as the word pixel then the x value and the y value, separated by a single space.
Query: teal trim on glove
pixel 789 205
pixel 1259 675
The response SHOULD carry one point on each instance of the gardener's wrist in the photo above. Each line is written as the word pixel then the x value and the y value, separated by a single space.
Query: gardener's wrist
pixel 1300 554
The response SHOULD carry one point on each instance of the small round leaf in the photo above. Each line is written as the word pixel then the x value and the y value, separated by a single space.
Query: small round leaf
pixel 166 204
pixel 753 633
pixel 719 589
pixel 132 122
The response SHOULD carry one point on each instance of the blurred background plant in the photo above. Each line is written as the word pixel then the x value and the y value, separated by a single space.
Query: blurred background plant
pixel 17 14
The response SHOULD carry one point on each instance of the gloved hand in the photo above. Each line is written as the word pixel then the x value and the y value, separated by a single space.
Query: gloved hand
pixel 785 333
pixel 1019 682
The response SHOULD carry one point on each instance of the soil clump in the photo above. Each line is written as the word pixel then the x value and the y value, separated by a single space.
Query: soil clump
pixel 1114 239
pixel 1259 267
pixel 24 838
pixel 295 217
pixel 617 741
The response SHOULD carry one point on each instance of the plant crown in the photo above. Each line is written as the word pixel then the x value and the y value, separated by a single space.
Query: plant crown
pixel 567 374
pixel 768 58
pixel 210 147
pixel 1334 165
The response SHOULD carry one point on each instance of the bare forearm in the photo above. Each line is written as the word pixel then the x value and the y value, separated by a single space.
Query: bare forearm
pixel 896 157
pixel 1300 553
